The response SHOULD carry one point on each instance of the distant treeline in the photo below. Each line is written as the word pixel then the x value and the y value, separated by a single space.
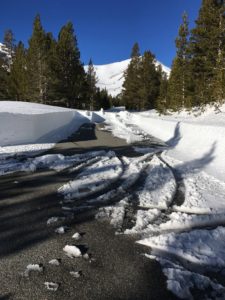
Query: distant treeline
pixel 50 70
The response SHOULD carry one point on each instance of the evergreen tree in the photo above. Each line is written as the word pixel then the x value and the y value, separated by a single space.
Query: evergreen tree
pixel 162 101
pixel 180 80
pixel 69 74
pixel 149 82
pixel 102 99
pixel 91 81
pixel 37 63
pixel 3 81
pixel 219 70
pixel 131 85
pixel 205 50
pixel 18 79
pixel 9 41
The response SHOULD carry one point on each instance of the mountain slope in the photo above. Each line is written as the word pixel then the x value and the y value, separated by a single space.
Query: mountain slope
pixel 111 76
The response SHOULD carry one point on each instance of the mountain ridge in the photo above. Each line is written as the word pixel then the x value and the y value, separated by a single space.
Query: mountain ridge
pixel 111 76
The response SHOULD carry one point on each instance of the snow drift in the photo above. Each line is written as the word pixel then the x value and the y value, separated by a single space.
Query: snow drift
pixel 27 123
pixel 198 141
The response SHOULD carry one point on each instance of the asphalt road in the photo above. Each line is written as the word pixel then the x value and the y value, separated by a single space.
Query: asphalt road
pixel 118 268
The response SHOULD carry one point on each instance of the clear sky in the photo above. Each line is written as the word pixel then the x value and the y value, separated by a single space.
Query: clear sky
pixel 105 29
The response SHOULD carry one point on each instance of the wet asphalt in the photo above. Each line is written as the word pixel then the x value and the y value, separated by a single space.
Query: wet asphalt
pixel 116 267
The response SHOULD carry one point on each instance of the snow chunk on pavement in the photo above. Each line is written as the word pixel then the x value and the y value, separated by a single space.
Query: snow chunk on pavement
pixel 76 236
pixel 55 262
pixel 75 274
pixel 205 248
pixel 51 286
pixel 33 268
pixel 53 220
pixel 72 251
pixel 61 230
pixel 160 186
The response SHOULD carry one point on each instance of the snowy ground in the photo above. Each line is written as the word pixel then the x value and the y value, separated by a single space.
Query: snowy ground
pixel 172 196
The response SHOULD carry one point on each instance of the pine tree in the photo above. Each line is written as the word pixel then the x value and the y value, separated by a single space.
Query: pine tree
pixel 162 101
pixel 18 79
pixel 219 70
pixel 69 74
pixel 3 81
pixel 91 81
pixel 131 85
pixel 149 82
pixel 37 64
pixel 205 50
pixel 102 99
pixel 179 89
pixel 9 41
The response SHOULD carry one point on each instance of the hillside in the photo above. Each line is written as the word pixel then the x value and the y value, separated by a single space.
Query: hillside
pixel 111 76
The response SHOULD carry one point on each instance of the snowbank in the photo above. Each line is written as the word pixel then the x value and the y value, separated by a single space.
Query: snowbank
pixel 27 123
pixel 197 140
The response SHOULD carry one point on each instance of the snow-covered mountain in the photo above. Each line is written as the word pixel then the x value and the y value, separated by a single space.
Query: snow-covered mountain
pixel 111 76
pixel 4 53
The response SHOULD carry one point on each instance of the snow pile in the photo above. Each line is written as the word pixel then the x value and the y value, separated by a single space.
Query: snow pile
pixel 204 248
pixel 160 186
pixel 181 281
pixel 72 251
pixel 123 129
pixel 32 123
pixel 111 76
pixel 94 178
pixel 197 140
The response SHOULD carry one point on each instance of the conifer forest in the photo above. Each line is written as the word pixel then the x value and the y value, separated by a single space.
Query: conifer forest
pixel 50 70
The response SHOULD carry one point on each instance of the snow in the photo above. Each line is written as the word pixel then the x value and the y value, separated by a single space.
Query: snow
pixel 143 219
pixel 196 140
pixel 75 274
pixel 204 194
pixel 160 186
pixel 72 251
pixel 33 268
pixel 204 248
pixel 111 76
pixel 54 220
pixel 116 213
pixel 76 236
pixel 94 178
pixel 54 262
pixel 51 286
pixel 181 282
pixel 180 221
pixel 61 229
pixel 32 123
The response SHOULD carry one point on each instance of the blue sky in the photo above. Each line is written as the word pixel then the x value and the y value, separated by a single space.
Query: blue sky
pixel 105 29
